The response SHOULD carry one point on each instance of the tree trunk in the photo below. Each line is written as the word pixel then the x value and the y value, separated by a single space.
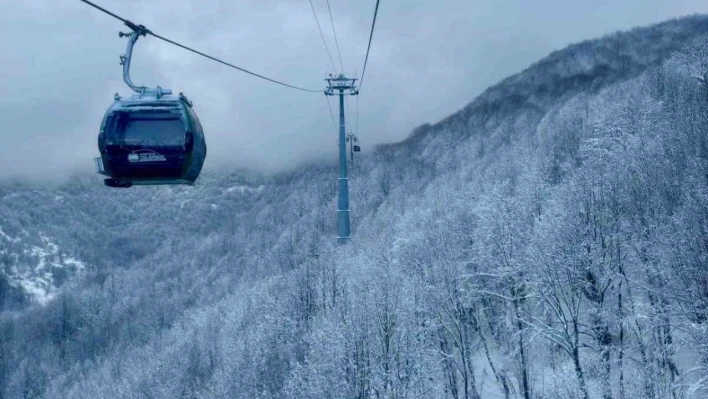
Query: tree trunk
pixel 620 354
pixel 526 392
pixel 576 361
pixel 501 379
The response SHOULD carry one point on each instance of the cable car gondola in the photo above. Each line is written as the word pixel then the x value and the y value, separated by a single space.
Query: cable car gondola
pixel 150 138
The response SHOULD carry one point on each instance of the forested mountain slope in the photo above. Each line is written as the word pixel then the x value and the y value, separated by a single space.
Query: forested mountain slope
pixel 549 240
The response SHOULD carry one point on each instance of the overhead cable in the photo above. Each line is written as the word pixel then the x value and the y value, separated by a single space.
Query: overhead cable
pixel 143 30
pixel 368 47
pixel 317 20
pixel 336 42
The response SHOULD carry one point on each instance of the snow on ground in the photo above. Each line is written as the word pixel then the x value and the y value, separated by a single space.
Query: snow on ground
pixel 39 288
pixel 79 265
pixel 243 188
pixel 7 237
pixel 34 271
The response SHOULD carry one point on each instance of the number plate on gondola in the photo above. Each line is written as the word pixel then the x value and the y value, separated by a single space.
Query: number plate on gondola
pixel 146 156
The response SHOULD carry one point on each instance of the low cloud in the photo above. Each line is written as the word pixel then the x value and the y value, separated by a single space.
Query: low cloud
pixel 428 59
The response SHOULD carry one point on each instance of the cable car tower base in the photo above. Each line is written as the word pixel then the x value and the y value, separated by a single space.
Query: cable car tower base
pixel 341 86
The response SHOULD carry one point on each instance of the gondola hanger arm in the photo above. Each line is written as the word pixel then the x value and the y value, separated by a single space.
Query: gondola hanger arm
pixel 138 30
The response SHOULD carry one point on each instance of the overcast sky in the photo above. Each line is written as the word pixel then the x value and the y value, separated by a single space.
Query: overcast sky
pixel 59 68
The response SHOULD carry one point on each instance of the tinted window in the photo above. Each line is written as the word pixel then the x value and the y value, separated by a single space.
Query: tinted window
pixel 159 132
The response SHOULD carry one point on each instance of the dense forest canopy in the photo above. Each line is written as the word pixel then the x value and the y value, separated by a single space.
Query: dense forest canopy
pixel 549 240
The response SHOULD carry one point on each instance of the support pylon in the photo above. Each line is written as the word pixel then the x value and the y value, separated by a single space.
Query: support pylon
pixel 340 86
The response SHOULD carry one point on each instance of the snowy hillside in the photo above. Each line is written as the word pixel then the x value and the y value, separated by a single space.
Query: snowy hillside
pixel 34 267
pixel 40 270
pixel 547 241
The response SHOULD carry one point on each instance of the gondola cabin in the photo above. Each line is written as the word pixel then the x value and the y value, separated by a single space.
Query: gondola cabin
pixel 150 139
